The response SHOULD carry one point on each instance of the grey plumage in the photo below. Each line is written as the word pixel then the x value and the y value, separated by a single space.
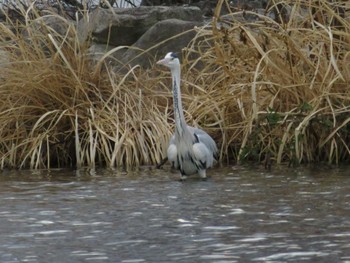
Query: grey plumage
pixel 191 150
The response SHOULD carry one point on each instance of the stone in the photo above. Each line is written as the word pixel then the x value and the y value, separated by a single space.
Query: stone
pixel 124 26
pixel 158 33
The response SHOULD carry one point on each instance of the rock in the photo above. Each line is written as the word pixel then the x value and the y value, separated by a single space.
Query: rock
pixel 155 35
pixel 59 26
pixel 207 6
pixel 55 25
pixel 162 2
pixel 249 4
pixel 124 26
pixel 97 51
pixel 49 24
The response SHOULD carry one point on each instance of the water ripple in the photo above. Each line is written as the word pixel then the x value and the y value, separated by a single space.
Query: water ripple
pixel 238 215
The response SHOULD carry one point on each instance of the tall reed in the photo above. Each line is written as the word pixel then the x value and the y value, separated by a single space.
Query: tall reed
pixel 279 86
pixel 59 108
pixel 268 88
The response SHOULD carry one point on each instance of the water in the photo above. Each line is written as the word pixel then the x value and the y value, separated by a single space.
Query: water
pixel 239 215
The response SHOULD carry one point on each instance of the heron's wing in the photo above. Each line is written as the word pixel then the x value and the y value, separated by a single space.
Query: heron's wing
pixel 205 138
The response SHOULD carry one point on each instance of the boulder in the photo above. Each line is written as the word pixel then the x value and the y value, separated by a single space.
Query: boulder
pixel 124 26
pixel 57 24
pixel 163 30
pixel 206 6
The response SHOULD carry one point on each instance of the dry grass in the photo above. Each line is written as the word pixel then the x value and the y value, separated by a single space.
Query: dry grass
pixel 279 91
pixel 263 89
pixel 59 109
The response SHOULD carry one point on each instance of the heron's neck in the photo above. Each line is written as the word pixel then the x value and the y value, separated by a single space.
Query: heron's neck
pixel 178 112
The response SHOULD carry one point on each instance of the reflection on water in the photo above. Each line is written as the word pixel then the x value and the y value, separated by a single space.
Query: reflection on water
pixel 239 215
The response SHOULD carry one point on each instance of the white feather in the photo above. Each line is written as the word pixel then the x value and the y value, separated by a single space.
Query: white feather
pixel 172 155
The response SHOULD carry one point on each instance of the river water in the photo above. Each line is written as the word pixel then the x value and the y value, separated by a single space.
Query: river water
pixel 240 214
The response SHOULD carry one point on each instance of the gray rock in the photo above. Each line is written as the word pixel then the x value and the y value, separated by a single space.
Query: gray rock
pixel 124 26
pixel 161 31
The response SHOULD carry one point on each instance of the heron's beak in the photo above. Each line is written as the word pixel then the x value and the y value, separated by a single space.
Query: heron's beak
pixel 163 61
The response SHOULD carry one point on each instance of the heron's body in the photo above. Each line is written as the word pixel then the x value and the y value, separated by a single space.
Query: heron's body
pixel 193 155
pixel 190 150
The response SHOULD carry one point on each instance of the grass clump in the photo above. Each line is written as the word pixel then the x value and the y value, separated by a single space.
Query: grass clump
pixel 60 109
pixel 281 85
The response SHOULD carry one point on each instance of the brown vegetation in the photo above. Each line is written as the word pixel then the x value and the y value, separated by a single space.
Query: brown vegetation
pixel 282 85
pixel 262 89
pixel 57 108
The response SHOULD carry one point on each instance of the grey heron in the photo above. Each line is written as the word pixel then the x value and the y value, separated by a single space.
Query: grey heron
pixel 191 150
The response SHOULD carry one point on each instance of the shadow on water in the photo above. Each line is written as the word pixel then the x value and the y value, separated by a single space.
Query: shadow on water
pixel 239 215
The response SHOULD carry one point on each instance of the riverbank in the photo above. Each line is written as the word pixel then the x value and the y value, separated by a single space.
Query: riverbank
pixel 267 90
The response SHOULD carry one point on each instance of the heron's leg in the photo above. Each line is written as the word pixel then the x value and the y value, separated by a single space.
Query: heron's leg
pixel 202 174
pixel 183 177
pixel 158 166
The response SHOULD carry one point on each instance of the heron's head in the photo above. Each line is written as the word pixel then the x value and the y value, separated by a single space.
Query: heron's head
pixel 170 60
